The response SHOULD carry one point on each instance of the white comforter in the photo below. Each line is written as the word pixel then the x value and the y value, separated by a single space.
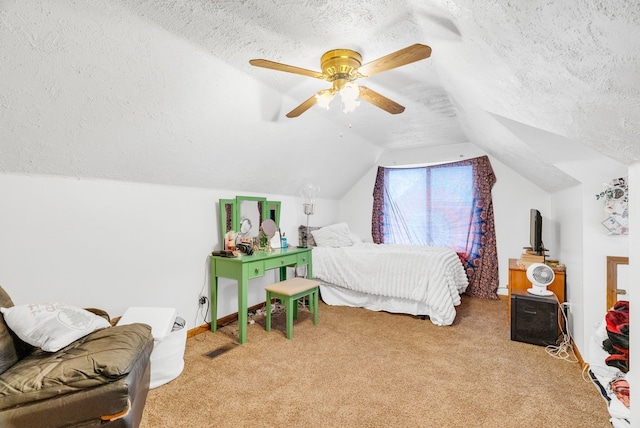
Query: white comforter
pixel 433 275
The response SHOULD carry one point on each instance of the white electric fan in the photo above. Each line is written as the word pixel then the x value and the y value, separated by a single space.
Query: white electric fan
pixel 540 276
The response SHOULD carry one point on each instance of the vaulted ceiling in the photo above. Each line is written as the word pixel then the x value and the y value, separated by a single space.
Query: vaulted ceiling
pixel 161 91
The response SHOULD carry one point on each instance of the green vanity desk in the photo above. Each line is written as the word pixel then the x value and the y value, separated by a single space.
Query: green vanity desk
pixel 244 268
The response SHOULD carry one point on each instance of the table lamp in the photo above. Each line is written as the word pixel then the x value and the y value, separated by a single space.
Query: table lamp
pixel 309 191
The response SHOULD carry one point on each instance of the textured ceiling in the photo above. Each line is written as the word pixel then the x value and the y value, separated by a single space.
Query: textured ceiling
pixel 161 91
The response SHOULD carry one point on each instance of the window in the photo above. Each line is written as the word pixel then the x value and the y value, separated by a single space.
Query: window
pixel 443 205
pixel 428 206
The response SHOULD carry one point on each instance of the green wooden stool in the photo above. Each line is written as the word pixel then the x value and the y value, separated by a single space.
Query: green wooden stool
pixel 288 292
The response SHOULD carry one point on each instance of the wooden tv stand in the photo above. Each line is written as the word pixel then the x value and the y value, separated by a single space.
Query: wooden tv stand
pixel 518 281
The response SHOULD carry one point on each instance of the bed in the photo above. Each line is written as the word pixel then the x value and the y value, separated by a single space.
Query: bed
pixel 394 278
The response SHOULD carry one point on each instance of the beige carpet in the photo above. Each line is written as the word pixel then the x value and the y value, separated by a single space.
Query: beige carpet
pixel 360 368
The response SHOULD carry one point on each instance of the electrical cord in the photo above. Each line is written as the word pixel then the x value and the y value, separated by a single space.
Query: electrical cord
pixel 563 350
pixel 276 308
pixel 199 312
pixel 201 337
pixel 585 370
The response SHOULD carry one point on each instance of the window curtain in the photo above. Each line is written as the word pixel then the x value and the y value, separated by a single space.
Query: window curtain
pixel 463 223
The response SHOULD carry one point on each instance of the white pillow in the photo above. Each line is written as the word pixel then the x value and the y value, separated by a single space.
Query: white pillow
pixel 51 326
pixel 355 238
pixel 336 235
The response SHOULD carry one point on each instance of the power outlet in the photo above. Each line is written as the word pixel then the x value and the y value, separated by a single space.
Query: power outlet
pixel 202 300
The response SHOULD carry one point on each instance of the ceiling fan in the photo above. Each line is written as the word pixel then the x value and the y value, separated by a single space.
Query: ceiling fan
pixel 342 67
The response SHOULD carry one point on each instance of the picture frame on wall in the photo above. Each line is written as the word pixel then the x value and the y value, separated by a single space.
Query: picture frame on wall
pixel 613 226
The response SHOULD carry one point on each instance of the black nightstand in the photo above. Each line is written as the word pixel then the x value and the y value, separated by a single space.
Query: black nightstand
pixel 534 319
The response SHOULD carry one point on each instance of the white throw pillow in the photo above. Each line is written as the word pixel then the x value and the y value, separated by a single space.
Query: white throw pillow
pixel 51 326
pixel 336 235
pixel 355 238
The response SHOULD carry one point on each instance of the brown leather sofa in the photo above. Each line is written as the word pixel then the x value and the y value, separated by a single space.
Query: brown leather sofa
pixel 100 380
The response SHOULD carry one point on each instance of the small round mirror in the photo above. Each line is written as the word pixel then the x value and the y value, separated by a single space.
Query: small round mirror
pixel 269 228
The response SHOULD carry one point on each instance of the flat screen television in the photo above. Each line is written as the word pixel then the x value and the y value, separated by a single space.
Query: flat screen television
pixel 535 232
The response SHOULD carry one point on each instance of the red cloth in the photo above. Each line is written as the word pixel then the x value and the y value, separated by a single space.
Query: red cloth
pixel 618 318
pixel 620 387
pixel 617 342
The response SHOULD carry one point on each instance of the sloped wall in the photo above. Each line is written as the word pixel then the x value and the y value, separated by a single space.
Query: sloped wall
pixel 113 245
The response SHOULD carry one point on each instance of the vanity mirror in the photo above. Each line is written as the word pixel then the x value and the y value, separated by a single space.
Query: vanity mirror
pixel 269 229
pixel 245 214
pixel 250 215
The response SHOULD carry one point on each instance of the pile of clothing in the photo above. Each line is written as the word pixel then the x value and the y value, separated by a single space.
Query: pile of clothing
pixel 617 345
pixel 608 359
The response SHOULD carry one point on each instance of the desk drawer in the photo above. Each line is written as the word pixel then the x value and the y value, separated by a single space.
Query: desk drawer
pixel 280 261
pixel 303 259
pixel 255 269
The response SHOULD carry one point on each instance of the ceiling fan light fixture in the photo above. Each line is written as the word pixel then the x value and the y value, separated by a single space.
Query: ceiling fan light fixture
pixel 350 105
pixel 349 94
pixel 342 67
pixel 324 98
pixel 350 91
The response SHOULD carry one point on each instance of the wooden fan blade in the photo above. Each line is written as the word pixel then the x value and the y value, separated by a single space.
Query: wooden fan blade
pixel 306 105
pixel 265 63
pixel 381 101
pixel 399 58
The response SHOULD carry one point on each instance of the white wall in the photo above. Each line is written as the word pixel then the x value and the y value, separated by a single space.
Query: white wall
pixel 513 197
pixel 567 211
pixel 585 243
pixel 113 245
